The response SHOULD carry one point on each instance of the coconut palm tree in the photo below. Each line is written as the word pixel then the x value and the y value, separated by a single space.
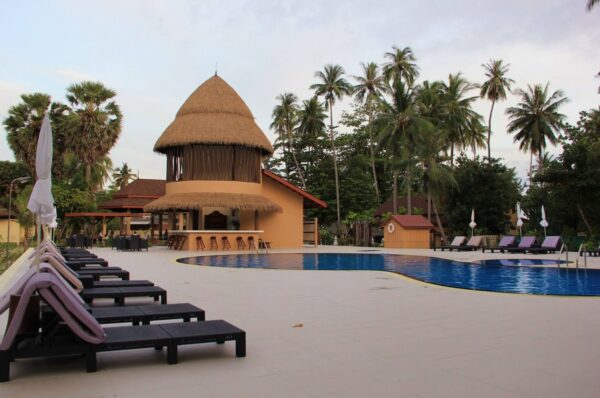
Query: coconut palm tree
pixel 591 4
pixel 437 176
pixel 401 65
pixel 332 86
pixel 123 176
pixel 285 121
pixel 536 120
pixel 494 89
pixel 399 124
pixel 311 127
pixel 367 92
pixel 460 120
pixel 96 122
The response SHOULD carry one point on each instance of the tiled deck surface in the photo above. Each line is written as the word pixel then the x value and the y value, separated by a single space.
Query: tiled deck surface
pixel 362 334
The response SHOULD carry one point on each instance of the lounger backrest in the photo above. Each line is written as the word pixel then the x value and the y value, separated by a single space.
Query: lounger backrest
pixel 475 241
pixel 75 316
pixel 458 241
pixel 527 242
pixel 551 242
pixel 66 272
pixel 507 241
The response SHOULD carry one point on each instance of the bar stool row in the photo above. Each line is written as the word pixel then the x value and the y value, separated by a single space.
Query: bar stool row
pixel 225 245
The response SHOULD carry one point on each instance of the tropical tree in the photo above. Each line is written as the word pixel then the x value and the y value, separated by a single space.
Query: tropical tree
pixel 401 65
pixel 285 121
pixel 399 123
pixel 23 125
pixel 536 120
pixel 437 176
pixel 494 89
pixel 367 91
pixel 96 122
pixel 462 124
pixel 311 129
pixel 332 86
pixel 123 176
pixel 591 4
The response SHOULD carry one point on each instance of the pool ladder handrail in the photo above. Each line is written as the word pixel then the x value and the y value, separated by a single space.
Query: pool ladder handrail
pixel 581 252
pixel 564 248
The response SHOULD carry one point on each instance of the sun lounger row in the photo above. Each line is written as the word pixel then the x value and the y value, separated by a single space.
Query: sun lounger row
pixel 67 325
pixel 528 244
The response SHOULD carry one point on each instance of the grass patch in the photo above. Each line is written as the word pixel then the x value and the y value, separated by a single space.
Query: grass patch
pixel 9 254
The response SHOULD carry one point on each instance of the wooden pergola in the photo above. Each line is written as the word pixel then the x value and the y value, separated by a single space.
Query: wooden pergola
pixel 107 216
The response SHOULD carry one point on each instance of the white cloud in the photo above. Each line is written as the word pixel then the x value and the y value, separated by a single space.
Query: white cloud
pixel 71 76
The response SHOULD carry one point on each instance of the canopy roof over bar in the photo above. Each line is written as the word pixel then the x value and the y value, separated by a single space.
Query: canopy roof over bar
pixel 198 200
pixel 214 114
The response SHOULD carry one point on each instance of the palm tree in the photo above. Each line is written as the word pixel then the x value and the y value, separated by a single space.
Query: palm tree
pixel 536 120
pixel 285 120
pixel 23 125
pixel 311 127
pixel 332 86
pixel 429 148
pixel 463 124
pixel 96 122
pixel 123 176
pixel 591 4
pixel 494 89
pixel 400 123
pixel 367 91
pixel 401 65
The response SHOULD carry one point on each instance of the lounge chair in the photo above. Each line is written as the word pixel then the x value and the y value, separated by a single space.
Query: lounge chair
pixel 458 242
pixel 551 244
pixel 474 243
pixel 527 243
pixel 79 333
pixel 505 243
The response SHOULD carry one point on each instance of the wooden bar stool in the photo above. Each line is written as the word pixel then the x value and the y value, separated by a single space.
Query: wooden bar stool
pixel 241 245
pixel 251 244
pixel 200 243
pixel 225 243
pixel 213 243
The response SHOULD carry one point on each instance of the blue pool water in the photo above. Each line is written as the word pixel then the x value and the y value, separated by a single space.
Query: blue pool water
pixel 510 276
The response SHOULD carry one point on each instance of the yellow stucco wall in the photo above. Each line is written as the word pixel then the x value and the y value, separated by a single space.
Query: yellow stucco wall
pixel 17 234
pixel 213 186
pixel 405 238
pixel 284 230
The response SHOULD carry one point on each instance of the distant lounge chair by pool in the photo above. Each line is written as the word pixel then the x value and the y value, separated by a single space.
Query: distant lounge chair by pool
pixel 526 244
pixel 551 244
pixel 474 243
pixel 456 244
pixel 506 242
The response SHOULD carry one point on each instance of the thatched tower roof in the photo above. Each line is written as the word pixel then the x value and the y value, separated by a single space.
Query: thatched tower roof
pixel 198 200
pixel 214 114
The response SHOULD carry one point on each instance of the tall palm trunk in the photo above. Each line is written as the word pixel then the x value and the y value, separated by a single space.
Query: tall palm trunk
pixel 395 193
pixel 373 157
pixel 408 191
pixel 490 132
pixel 428 199
pixel 530 167
pixel 88 173
pixel 335 168
pixel 298 169
pixel 439 222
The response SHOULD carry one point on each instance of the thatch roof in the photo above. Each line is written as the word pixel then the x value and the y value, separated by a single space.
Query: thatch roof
pixel 214 114
pixel 198 200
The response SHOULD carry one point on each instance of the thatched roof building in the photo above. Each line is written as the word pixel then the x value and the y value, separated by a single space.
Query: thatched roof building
pixel 214 114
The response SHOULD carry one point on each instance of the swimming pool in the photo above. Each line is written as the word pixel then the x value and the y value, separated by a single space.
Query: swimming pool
pixel 489 275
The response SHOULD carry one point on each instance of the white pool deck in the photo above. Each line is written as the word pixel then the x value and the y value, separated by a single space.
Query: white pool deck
pixel 342 334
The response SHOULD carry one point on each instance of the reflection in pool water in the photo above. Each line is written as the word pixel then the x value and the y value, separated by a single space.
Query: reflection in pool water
pixel 491 275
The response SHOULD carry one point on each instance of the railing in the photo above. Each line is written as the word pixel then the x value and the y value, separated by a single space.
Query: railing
pixel 564 249
pixel 581 252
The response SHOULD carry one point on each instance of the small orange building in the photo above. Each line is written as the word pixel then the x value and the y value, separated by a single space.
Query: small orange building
pixel 216 189
pixel 407 232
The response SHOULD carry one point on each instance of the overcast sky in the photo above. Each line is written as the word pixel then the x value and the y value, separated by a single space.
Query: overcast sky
pixel 155 53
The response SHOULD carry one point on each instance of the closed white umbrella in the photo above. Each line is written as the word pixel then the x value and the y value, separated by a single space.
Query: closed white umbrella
pixel 41 202
pixel 519 219
pixel 544 223
pixel 472 224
